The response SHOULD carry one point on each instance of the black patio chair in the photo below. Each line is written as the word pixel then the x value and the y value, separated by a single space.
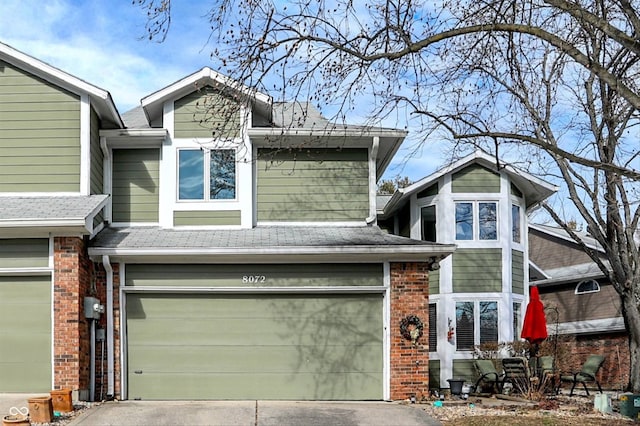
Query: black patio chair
pixel 588 373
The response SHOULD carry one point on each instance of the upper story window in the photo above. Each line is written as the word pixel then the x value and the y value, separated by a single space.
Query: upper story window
pixel 428 214
pixel 515 224
pixel 206 175
pixel 481 225
pixel 587 286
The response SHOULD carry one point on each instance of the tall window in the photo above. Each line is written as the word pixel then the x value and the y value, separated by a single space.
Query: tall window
pixel 429 223
pixel 476 323
pixel 481 225
pixel 517 319
pixel 515 223
pixel 206 174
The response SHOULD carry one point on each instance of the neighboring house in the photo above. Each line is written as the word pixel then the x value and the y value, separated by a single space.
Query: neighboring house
pixel 142 256
pixel 479 293
pixel 579 302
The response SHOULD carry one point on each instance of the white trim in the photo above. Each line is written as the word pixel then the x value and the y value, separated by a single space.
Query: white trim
pixel 589 326
pixel 168 173
pixel 358 223
pixel 330 130
pixel 589 291
pixel 40 271
pixel 124 391
pixel 107 177
pixel 373 154
pixel 386 337
pixel 53 314
pixel 255 290
pixel 110 327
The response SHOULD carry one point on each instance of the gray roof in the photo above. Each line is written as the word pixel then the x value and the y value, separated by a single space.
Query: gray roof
pixel 49 208
pixel 135 119
pixel 341 243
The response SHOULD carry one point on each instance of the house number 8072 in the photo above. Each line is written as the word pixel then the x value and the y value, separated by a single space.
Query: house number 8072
pixel 253 279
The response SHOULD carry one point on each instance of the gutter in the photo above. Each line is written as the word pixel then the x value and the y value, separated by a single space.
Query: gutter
pixel 373 155
pixel 110 336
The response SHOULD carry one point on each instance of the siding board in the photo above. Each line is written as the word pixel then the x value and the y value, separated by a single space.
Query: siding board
pixel 313 185
pixel 206 218
pixel 517 272
pixel 475 179
pixel 136 178
pixel 477 270
pixel 24 253
pixel 195 117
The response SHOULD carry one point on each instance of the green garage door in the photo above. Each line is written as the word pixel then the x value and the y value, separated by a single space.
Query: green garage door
pixel 25 334
pixel 306 347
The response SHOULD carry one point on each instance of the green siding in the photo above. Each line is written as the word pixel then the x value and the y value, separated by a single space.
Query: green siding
pixel 314 185
pixel 136 177
pixel 429 192
pixel 517 272
pixel 434 282
pixel 475 179
pixel 25 334
pixel 201 218
pixel 300 347
pixel 477 270
pixel 206 113
pixel 274 275
pixel 39 126
pixel 24 253
pixel 97 156
pixel 434 374
pixel 464 369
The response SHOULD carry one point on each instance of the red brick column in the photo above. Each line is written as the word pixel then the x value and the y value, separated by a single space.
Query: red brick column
pixel 71 334
pixel 409 364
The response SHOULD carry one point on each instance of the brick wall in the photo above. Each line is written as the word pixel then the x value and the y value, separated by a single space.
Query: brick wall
pixel 71 336
pixel 409 364
pixel 614 374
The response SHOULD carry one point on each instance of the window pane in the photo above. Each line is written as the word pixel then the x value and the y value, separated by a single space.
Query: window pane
pixel 464 221
pixel 515 223
pixel 517 307
pixel 464 326
pixel 190 174
pixel 487 221
pixel 488 322
pixel 429 223
pixel 433 327
pixel 223 175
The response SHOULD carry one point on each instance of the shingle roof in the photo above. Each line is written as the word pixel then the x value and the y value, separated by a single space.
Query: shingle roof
pixel 268 240
pixel 49 208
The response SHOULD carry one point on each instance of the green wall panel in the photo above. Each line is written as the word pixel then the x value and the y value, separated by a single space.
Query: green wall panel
pixel 25 334
pixel 97 156
pixel 434 282
pixel 360 274
pixel 313 185
pixel 475 178
pixel 517 272
pixel 24 253
pixel 39 125
pixel 464 369
pixel 318 347
pixel 477 270
pixel 136 178
pixel 208 217
pixel 206 113
pixel 434 374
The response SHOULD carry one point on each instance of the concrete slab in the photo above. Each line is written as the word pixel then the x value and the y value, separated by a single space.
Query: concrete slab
pixel 254 413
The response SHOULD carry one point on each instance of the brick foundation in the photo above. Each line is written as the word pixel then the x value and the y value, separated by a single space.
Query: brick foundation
pixel 409 364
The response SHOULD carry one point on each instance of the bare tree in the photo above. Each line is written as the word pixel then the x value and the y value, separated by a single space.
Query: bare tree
pixel 553 83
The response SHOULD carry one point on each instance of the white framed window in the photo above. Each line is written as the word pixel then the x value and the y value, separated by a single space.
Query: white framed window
pixel 516 228
pixel 206 174
pixel 476 220
pixel 587 286
pixel 476 323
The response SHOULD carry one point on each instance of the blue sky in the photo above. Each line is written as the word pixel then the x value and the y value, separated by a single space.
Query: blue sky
pixel 103 42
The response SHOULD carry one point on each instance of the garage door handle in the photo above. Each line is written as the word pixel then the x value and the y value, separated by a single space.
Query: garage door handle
pixel 138 372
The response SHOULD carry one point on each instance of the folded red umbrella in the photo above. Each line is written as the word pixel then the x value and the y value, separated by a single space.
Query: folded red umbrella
pixel 534 328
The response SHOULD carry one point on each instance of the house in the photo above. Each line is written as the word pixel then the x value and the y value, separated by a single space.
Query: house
pixel 210 244
pixel 582 307
pixel 478 293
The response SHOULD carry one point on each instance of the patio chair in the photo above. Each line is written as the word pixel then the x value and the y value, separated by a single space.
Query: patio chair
pixel 588 373
pixel 516 371
pixel 488 375
pixel 547 373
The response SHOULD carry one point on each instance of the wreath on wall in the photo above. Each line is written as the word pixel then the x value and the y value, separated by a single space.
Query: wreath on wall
pixel 411 328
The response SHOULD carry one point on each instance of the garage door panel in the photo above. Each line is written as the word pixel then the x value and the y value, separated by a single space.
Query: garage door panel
pixel 273 359
pixel 255 346
pixel 337 386
pixel 25 334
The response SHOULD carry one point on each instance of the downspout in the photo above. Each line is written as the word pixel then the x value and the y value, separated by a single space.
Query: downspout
pixel 110 338
pixel 372 180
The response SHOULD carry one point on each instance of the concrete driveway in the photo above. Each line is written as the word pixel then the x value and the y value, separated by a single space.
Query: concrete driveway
pixel 253 413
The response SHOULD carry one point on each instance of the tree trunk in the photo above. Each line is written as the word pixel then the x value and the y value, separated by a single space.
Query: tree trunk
pixel 632 321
